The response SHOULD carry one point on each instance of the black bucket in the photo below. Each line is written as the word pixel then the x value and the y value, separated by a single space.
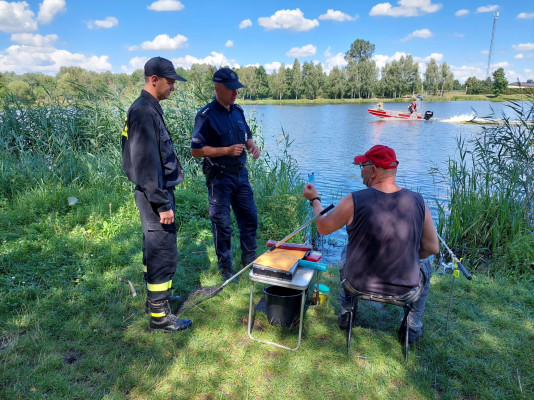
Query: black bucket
pixel 283 305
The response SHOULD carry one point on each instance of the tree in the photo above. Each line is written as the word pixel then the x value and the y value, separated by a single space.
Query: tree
pixel 500 84
pixel 336 83
pixel 296 80
pixel 21 90
pixel 277 83
pixel 360 50
pixel 446 78
pixel 353 79
pixel 368 73
pixel 432 77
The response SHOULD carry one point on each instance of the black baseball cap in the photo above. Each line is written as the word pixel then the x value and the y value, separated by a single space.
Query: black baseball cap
pixel 160 66
pixel 228 77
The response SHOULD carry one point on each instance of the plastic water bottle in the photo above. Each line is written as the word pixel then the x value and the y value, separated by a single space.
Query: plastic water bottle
pixel 311 178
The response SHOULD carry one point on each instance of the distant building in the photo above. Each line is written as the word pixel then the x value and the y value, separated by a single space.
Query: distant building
pixel 521 85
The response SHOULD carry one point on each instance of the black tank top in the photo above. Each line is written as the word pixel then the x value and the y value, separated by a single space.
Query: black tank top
pixel 384 241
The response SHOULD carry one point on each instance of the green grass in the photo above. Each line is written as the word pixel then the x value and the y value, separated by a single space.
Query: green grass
pixel 71 330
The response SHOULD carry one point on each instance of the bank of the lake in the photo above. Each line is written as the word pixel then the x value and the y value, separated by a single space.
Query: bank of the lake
pixel 448 96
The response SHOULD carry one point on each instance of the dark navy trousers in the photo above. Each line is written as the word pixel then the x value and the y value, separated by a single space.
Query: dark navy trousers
pixel 232 189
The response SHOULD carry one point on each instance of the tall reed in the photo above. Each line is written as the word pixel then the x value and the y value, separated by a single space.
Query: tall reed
pixel 489 218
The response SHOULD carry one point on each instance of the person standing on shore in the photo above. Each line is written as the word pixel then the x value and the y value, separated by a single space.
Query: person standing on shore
pixel 149 161
pixel 222 136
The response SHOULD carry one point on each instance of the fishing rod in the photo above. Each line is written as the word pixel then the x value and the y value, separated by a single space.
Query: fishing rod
pixel 458 266
pixel 456 261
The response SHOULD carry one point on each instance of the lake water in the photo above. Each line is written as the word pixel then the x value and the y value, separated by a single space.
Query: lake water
pixel 327 137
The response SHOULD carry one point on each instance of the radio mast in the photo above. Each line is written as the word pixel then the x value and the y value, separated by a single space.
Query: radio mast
pixel 490 55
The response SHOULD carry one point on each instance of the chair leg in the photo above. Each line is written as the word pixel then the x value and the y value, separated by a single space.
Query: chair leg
pixel 351 321
pixel 407 310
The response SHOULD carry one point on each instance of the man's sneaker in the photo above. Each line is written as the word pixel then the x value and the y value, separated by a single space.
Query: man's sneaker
pixel 344 320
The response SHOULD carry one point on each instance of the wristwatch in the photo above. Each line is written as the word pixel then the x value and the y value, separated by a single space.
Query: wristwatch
pixel 312 200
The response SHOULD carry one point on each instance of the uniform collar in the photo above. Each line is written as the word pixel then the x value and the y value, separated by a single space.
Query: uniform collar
pixel 152 100
pixel 222 108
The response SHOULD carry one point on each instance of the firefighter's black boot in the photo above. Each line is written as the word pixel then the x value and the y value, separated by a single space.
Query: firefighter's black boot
pixel 161 318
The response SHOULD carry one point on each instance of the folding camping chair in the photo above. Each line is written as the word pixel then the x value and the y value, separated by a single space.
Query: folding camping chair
pixel 406 304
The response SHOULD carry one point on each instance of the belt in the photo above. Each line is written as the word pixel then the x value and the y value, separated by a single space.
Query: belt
pixel 231 168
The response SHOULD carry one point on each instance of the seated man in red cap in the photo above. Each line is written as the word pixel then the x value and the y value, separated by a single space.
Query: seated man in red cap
pixel 390 230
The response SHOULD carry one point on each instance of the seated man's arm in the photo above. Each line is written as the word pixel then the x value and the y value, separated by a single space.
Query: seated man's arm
pixel 429 238
pixel 340 216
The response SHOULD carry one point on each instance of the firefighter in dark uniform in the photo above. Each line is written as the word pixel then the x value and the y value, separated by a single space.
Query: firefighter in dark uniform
pixel 149 161
pixel 222 136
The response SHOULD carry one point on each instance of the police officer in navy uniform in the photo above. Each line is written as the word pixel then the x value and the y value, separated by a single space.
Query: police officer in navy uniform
pixel 222 136
pixel 149 161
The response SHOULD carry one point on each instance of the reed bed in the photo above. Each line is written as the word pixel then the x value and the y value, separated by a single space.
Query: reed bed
pixel 489 218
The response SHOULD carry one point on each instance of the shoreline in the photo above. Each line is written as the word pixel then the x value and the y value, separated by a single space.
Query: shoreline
pixel 447 97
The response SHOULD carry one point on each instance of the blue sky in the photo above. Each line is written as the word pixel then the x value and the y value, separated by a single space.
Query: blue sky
pixel 120 35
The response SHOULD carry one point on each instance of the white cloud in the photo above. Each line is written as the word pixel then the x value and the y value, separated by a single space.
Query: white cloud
pixel 467 71
pixel 107 23
pixel 434 56
pixel 245 24
pixel 166 5
pixel 525 16
pixel 304 51
pixel 48 60
pixel 523 46
pixel 135 63
pixel 229 43
pixel 216 59
pixel 502 64
pixel 407 8
pixel 336 16
pixel 382 60
pixel 16 17
pixel 48 10
pixel 162 42
pixel 459 35
pixel 288 19
pixel 29 39
pixel 419 33
pixel 332 61
pixel 461 13
pixel 272 67
pixel 485 9
pixel 519 56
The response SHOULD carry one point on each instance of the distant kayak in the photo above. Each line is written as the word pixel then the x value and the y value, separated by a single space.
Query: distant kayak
pixel 395 114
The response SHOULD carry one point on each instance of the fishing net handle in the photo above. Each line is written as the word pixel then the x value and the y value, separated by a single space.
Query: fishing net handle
pixel 301 228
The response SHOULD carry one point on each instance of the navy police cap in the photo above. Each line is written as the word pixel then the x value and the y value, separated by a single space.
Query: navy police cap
pixel 160 66
pixel 228 77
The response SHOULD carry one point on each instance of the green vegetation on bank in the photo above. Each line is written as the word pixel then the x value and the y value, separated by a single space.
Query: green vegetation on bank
pixel 72 330
pixel 360 78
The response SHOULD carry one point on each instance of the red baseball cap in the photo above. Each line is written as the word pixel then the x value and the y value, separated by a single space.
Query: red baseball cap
pixel 381 156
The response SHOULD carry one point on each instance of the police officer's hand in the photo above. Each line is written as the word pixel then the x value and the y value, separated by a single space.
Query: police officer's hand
pixel 236 150
pixel 166 217
pixel 254 151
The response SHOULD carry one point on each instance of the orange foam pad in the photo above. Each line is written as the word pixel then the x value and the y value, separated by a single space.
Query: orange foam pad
pixel 281 259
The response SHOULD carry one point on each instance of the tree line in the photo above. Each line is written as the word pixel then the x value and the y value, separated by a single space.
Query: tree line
pixel 359 79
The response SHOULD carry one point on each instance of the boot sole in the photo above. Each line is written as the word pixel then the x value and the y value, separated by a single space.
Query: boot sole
pixel 169 330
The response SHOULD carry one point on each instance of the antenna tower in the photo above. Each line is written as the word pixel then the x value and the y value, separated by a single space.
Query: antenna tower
pixel 490 55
